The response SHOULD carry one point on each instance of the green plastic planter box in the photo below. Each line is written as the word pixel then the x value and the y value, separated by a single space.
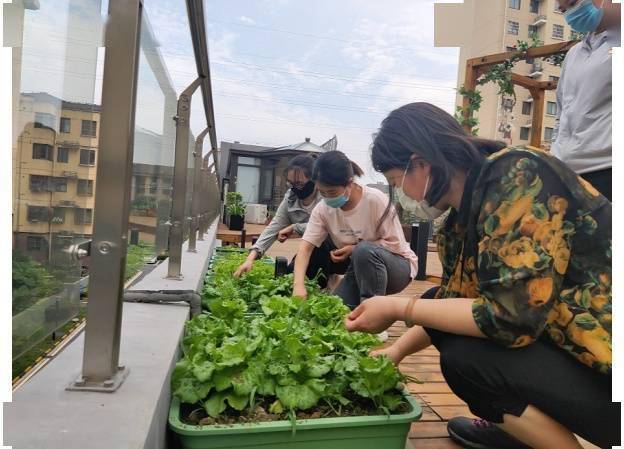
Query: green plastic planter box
pixel 363 432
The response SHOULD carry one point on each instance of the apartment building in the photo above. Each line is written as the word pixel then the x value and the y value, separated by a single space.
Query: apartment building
pixel 482 27
pixel 54 169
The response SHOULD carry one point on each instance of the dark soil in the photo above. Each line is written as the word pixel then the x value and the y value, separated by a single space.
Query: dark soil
pixel 194 414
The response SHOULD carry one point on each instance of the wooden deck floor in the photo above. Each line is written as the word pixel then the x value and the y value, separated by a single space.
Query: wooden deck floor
pixel 438 402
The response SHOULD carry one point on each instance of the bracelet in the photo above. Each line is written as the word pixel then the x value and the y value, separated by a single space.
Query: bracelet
pixel 408 311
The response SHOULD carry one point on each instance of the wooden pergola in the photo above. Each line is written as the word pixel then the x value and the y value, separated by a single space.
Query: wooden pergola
pixel 476 67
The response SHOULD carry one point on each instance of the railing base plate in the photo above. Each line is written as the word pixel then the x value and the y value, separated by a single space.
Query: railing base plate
pixel 108 386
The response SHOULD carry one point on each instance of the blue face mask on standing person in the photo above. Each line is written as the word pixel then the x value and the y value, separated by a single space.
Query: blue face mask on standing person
pixel 584 17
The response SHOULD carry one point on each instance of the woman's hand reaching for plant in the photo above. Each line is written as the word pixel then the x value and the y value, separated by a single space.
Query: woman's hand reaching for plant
pixel 300 291
pixel 376 314
pixel 243 268
pixel 391 351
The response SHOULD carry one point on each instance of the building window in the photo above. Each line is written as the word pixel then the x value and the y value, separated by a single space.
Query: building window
pixel 65 125
pixel 524 133
pixel 89 128
pixel 85 187
pixel 44 120
pixel 534 6
pixel 242 160
pixel 533 30
pixel 38 183
pixel 514 4
pixel 42 151
pixel 37 213
pixel 83 216
pixel 153 186
pixel 87 157
pixel 512 27
pixel 62 155
pixel 551 108
pixel 526 107
pixel 34 243
pixel 58 216
pixel 548 134
pixel 553 78
pixel 60 184
pixel 557 31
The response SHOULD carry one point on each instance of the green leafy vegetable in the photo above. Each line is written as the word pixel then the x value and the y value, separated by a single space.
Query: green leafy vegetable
pixel 294 355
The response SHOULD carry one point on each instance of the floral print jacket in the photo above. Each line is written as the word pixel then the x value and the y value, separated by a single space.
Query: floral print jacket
pixel 532 243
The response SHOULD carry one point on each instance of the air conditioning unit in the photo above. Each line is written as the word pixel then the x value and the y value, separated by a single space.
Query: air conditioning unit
pixel 256 213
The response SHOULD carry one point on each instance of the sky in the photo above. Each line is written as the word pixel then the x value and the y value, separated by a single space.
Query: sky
pixel 282 70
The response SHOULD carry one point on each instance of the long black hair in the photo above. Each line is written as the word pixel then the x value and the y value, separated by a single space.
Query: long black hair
pixel 303 163
pixel 335 169
pixel 433 135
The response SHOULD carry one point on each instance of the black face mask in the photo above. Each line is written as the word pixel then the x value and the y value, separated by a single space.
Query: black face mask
pixel 305 192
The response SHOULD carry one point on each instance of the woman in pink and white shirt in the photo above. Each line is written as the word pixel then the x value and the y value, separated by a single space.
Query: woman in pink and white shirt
pixel 369 240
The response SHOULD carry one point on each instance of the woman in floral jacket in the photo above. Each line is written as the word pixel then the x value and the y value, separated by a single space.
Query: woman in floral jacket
pixel 522 319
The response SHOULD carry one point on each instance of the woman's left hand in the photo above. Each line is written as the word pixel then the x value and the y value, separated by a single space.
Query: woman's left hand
pixel 376 314
pixel 342 254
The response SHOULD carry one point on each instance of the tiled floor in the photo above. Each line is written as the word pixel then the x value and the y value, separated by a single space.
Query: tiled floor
pixel 436 398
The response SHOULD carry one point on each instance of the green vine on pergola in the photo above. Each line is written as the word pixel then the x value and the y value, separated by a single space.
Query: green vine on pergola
pixel 501 74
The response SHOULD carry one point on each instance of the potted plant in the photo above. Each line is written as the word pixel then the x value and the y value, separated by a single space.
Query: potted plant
pixel 287 377
pixel 235 209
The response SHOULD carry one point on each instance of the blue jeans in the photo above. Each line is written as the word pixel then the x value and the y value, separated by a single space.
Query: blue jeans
pixel 373 271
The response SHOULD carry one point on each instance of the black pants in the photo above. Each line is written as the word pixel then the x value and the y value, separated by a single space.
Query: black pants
pixel 494 380
pixel 601 180
pixel 320 260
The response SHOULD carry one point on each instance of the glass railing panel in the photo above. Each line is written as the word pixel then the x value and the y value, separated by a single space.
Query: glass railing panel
pixel 57 61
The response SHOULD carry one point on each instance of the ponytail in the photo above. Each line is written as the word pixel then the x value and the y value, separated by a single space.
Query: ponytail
pixel 333 168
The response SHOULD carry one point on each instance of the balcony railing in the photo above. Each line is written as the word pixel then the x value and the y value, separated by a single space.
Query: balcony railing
pixel 536 70
pixel 70 144
pixel 539 20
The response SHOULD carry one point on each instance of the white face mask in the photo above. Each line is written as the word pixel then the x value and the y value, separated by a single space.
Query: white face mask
pixel 421 209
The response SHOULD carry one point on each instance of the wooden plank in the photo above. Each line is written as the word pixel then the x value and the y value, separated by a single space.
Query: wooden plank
pixel 470 84
pixel 434 399
pixel 447 412
pixel 425 377
pixel 548 85
pixel 429 415
pixel 524 81
pixel 537 52
pixel 420 358
pixel 422 367
pixel 429 429
pixel 429 387
pixel 432 443
pixel 538 116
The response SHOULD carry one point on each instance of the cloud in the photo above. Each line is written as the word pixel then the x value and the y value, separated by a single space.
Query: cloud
pixel 247 20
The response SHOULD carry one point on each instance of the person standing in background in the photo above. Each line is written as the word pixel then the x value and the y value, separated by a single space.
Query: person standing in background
pixel 582 135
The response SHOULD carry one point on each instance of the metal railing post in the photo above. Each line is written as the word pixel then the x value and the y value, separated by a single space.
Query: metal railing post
pixel 197 166
pixel 205 198
pixel 180 169
pixel 202 215
pixel 100 365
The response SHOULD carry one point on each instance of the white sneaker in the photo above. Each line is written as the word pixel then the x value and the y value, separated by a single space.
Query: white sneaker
pixel 383 336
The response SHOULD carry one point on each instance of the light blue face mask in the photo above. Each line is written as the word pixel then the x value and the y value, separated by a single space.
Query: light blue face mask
pixel 337 201
pixel 584 17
